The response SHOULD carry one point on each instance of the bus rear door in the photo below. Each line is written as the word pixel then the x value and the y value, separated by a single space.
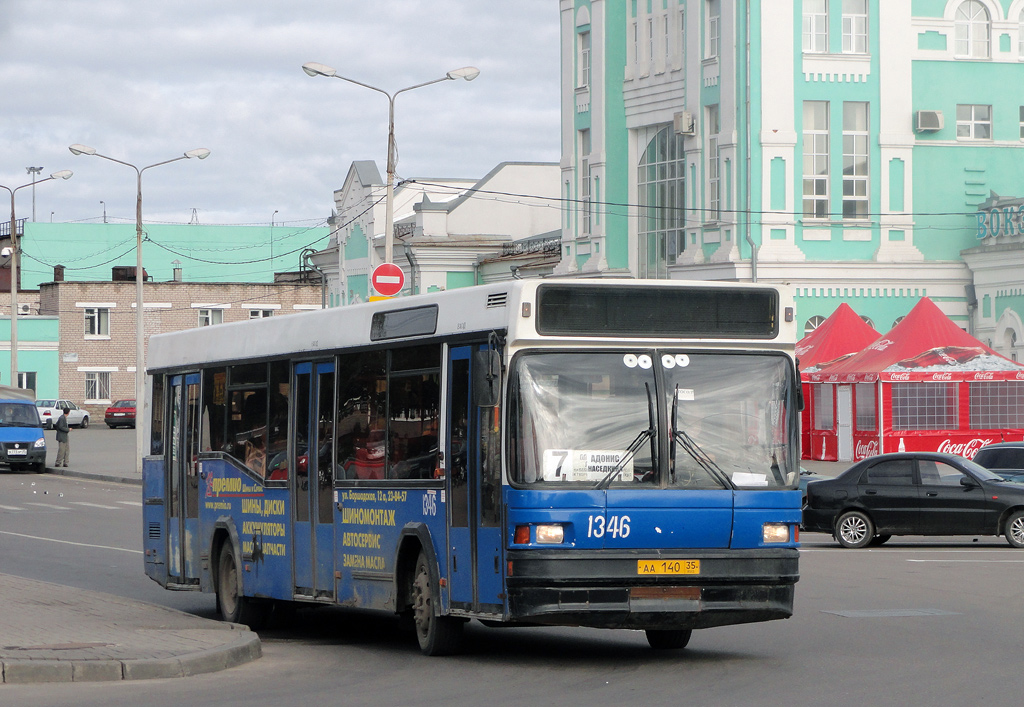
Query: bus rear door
pixel 313 480
pixel 474 489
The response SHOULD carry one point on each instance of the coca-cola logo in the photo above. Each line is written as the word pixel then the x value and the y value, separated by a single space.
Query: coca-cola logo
pixel 900 376
pixel 1020 376
pixel 985 376
pixel 880 345
pixel 864 450
pixel 967 450
pixel 942 376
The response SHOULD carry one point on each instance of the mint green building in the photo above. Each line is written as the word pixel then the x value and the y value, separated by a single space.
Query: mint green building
pixel 204 253
pixel 855 149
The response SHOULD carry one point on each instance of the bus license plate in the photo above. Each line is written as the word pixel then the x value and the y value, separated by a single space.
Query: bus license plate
pixel 668 567
pixel 17 452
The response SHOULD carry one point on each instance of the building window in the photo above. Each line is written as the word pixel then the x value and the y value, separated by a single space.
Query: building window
pixel 714 127
pixel 260 313
pixel 855 160
pixel 650 40
pixel 660 187
pixel 586 182
pixel 816 163
pixel 974 122
pixel 97 385
pixel 97 322
pixel 813 323
pixel 997 405
pixel 1021 110
pixel 866 410
pixel 714 35
pixel 924 406
pixel 27 380
pixel 211 316
pixel 972 30
pixel 816 26
pixel 855 26
pixel 1020 34
pixel 583 78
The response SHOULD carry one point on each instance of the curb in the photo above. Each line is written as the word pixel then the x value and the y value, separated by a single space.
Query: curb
pixel 244 649
pixel 93 476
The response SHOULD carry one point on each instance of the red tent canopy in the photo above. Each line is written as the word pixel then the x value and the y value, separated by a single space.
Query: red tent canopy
pixel 844 333
pixel 926 345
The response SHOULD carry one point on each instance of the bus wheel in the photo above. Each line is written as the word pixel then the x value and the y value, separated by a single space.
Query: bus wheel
pixel 673 639
pixel 437 635
pixel 234 607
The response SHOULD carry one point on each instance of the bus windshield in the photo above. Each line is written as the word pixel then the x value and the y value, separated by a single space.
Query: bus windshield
pixel 653 419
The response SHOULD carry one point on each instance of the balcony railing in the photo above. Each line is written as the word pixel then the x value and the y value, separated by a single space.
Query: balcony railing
pixel 5 228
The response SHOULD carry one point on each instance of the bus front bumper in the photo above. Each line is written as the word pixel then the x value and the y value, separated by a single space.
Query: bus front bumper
pixel 604 589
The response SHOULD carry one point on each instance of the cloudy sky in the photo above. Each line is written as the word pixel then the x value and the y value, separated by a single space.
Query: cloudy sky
pixel 145 80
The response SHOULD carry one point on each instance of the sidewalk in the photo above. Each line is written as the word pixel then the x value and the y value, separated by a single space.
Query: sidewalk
pixel 53 633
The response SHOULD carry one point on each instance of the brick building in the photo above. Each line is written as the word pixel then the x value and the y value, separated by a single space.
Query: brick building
pixel 97 324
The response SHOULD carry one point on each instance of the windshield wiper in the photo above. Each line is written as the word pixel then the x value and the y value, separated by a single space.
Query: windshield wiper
pixel 687 442
pixel 634 446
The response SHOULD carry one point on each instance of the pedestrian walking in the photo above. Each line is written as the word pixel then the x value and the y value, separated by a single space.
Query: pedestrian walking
pixel 63 445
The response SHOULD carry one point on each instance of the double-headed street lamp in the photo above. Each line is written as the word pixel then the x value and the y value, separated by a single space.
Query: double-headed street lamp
pixel 140 337
pixel 63 174
pixel 468 73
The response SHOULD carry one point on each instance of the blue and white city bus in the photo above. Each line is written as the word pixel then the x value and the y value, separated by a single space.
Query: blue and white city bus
pixel 603 453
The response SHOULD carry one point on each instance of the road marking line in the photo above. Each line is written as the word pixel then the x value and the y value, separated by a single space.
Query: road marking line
pixel 11 508
pixel 1018 562
pixel 131 503
pixel 68 542
pixel 47 505
pixel 94 505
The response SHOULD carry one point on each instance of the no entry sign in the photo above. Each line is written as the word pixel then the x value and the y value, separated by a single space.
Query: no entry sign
pixel 388 279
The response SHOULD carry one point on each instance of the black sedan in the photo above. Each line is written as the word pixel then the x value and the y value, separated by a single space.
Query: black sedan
pixel 1003 458
pixel 914 493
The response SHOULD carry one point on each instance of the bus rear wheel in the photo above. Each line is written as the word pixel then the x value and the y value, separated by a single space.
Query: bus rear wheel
pixel 437 635
pixel 234 607
pixel 669 639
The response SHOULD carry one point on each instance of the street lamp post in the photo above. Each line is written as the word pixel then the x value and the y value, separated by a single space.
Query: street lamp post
pixel 63 174
pixel 34 171
pixel 140 337
pixel 468 73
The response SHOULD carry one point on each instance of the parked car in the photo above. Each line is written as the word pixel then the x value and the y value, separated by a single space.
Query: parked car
pixel 22 444
pixel 1003 458
pixel 806 477
pixel 120 414
pixel 50 410
pixel 914 493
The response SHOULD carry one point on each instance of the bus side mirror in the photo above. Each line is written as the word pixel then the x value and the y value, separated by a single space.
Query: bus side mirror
pixel 486 378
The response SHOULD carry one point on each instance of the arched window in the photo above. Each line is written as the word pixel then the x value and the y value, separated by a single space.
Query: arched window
pixel 973 30
pixel 660 187
pixel 896 321
pixel 813 323
pixel 867 320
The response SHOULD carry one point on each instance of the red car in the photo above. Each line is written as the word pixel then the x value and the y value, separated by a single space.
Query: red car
pixel 121 413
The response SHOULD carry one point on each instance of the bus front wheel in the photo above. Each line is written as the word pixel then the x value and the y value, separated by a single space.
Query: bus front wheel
pixel 669 639
pixel 233 606
pixel 437 635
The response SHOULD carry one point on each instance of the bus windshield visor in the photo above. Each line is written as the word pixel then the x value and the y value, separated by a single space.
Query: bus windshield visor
pixel 653 419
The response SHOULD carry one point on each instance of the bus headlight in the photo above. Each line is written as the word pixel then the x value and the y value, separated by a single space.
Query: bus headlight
pixel 41 442
pixel 775 532
pixel 551 534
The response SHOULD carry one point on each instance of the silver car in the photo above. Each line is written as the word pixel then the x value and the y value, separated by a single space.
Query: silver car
pixel 50 410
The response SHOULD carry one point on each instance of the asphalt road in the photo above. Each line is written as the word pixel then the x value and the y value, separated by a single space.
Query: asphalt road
pixel 918 621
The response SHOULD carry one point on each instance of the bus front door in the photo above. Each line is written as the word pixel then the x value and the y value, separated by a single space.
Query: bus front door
pixel 313 490
pixel 474 487
pixel 183 480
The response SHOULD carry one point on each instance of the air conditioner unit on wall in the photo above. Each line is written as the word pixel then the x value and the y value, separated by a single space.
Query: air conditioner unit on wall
pixel 928 121
pixel 684 124
pixel 24 308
